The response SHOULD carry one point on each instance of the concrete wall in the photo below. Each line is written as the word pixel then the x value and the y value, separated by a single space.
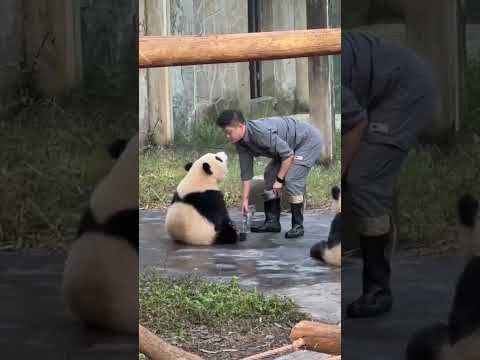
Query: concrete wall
pixel 63 42
pixel 202 91
pixel 442 44
pixel 11 50
pixel 109 28
pixel 279 78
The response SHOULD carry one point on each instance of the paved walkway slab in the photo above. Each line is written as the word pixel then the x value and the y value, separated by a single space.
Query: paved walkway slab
pixel 267 261
pixel 423 293
pixel 34 322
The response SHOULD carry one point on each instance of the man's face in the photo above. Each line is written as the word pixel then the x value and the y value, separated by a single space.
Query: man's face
pixel 234 133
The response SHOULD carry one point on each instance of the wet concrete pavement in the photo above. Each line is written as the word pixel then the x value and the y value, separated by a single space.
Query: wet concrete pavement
pixel 423 293
pixel 33 319
pixel 268 262
pixel 34 323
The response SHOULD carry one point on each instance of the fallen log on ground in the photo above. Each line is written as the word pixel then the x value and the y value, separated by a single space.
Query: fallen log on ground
pixel 155 348
pixel 324 338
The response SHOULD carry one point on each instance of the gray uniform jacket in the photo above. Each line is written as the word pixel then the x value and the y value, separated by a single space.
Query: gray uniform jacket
pixel 387 85
pixel 278 138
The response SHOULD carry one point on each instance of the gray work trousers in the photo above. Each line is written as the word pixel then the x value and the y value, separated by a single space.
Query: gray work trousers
pixel 304 159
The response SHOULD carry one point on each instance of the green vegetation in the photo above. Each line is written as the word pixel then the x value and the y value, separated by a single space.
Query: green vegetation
pixel 175 307
pixel 52 156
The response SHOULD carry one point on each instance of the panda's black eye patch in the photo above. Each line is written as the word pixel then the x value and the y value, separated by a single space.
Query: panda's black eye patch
pixel 216 157
pixel 207 169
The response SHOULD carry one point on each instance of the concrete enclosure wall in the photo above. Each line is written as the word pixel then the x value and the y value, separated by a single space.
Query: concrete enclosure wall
pixel 201 91
pixel 11 50
pixel 54 47
pixel 109 31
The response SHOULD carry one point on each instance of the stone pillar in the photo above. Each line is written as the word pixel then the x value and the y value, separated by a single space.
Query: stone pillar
pixel 320 81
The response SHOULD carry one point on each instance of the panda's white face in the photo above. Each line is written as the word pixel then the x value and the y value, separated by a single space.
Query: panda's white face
pixel 217 163
pixel 118 190
pixel 204 174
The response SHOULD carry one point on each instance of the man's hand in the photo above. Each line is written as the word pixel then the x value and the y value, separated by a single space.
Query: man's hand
pixel 245 195
pixel 350 144
pixel 244 206
pixel 277 187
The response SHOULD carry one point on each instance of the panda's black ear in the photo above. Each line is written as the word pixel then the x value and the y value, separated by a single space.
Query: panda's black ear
pixel 207 169
pixel 188 166
pixel 335 192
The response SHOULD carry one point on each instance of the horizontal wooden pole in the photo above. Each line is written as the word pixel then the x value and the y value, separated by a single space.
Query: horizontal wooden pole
pixel 158 51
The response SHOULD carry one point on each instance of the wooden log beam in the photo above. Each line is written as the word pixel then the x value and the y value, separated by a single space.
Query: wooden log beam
pixel 324 338
pixel 158 51
pixel 155 348
pixel 297 344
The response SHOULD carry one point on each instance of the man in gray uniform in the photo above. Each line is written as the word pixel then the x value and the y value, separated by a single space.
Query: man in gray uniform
pixel 294 148
pixel 388 98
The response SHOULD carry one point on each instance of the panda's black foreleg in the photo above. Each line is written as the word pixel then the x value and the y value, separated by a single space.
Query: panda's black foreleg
pixel 227 234
pixel 318 250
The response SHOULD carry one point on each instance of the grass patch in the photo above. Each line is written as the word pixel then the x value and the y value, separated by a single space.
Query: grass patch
pixel 52 156
pixel 174 308
pixel 433 180
pixel 429 187
pixel 161 169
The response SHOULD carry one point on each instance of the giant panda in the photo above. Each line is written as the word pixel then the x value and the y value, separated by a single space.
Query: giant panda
pixel 330 251
pixel 197 214
pixel 459 337
pixel 100 278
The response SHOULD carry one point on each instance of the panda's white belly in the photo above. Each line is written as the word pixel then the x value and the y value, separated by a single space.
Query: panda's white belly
pixel 100 282
pixel 185 224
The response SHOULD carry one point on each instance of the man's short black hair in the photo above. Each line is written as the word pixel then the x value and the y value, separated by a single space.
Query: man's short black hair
pixel 230 118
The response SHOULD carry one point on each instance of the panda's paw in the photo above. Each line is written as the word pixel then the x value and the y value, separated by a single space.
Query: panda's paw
pixel 227 234
pixel 318 250
pixel 427 343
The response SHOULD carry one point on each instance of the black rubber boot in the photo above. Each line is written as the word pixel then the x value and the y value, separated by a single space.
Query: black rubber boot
pixel 297 222
pixel 272 218
pixel 377 296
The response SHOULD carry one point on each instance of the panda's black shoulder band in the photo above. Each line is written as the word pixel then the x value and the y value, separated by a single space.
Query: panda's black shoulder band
pixel 123 224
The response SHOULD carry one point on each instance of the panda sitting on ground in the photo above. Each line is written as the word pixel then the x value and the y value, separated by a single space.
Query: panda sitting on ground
pixel 330 251
pixel 100 279
pixel 198 214
pixel 459 339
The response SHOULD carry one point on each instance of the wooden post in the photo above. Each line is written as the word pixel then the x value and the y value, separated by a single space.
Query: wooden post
pixel 320 87
pixel 52 38
pixel 157 14
pixel 442 44
pixel 158 51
